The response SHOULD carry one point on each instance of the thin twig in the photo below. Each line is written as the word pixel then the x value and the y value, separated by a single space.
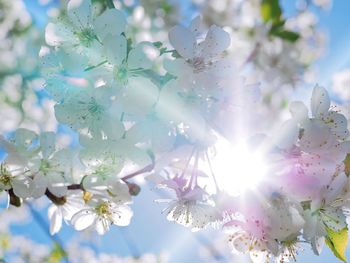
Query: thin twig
pixel 146 169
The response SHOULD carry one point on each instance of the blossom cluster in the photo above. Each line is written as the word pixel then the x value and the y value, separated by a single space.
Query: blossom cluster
pixel 183 116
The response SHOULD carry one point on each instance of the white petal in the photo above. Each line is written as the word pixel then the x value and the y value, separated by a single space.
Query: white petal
pixel 39 186
pixel 122 215
pixel 79 12
pixel 197 26
pixel 21 188
pixel 111 22
pixel 57 184
pixel 178 67
pixel 55 216
pixel 215 43
pixel 24 137
pixel 47 143
pixel 183 40
pixel 56 34
pixel 138 56
pixel 139 96
pixel 115 48
pixel 83 219
pixel 299 111
pixel 287 135
pixel 102 225
pixel 320 102
pixel 317 245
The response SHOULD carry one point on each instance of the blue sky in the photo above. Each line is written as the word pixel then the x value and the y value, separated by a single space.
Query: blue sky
pixel 149 230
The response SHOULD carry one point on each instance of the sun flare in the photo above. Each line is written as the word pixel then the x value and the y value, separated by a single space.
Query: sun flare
pixel 238 167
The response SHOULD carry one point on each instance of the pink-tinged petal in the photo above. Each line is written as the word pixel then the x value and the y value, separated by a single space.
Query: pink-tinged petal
pixel 215 43
pixel 287 135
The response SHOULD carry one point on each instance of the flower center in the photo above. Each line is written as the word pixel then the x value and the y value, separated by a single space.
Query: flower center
pixel 198 64
pixel 45 166
pixel 121 73
pixel 103 209
pixel 94 108
pixel 86 36
pixel 5 177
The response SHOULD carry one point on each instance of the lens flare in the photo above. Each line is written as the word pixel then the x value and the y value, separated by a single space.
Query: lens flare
pixel 238 167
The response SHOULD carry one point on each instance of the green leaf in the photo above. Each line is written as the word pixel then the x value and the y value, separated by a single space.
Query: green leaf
pixel 337 242
pixel 157 44
pixel 287 35
pixel 270 11
pixel 347 165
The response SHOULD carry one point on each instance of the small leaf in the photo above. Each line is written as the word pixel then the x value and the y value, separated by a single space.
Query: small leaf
pixel 270 11
pixel 347 165
pixel 157 44
pixel 287 35
pixel 337 242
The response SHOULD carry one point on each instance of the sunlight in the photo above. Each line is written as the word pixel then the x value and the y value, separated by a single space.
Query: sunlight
pixel 237 167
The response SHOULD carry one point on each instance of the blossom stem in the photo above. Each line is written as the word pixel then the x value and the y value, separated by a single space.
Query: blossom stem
pixel 95 66
pixel 55 199
pixel 188 163
pixel 75 187
pixel 146 169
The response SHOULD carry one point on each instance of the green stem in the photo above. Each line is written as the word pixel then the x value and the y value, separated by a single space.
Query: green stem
pixel 110 4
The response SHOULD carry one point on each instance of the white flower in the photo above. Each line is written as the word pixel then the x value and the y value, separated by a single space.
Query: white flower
pixel 91 109
pixel 124 71
pixel 189 207
pixel 201 64
pixel 71 204
pixel 49 167
pixel 81 29
pixel 322 115
pixel 325 212
pixel 100 214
